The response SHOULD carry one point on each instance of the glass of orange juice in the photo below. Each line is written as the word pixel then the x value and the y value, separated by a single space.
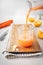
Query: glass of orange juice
pixel 25 35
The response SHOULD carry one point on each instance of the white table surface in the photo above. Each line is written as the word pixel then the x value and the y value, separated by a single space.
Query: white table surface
pixel 38 60
pixel 7 11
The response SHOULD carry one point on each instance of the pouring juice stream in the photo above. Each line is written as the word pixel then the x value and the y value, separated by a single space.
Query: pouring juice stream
pixel 25 42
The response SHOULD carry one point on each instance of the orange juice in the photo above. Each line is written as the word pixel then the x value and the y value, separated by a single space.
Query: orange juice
pixel 26 43
pixel 28 13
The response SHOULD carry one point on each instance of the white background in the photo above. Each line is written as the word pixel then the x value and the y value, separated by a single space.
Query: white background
pixel 16 10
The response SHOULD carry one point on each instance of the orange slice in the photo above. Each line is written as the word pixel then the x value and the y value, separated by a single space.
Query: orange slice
pixel 37 23
pixel 31 19
pixel 40 34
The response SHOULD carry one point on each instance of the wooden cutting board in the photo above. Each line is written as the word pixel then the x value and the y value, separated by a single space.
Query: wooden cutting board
pixel 13 42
